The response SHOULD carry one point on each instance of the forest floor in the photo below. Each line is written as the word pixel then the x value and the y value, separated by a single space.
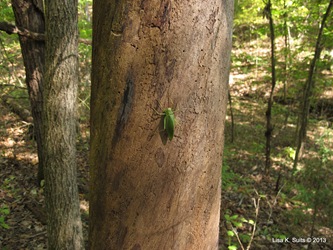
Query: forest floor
pixel 276 197
pixel 284 202
pixel 287 208
pixel 22 214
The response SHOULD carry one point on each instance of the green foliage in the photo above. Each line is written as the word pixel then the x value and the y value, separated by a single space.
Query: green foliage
pixel 235 223
pixel 8 184
pixel 314 188
pixel 85 29
pixel 257 147
pixel 9 187
pixel 308 193
pixel 248 12
pixel 271 232
pixel 85 51
pixel 232 181
pixel 85 16
pixel 290 152
pixel 229 178
pixel 279 236
pixel 4 211
pixel 297 20
pixel 6 12
pixel 325 151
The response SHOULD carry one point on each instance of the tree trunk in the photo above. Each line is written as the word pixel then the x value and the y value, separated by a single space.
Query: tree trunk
pixel 269 126
pixel 59 112
pixel 148 192
pixel 309 86
pixel 29 15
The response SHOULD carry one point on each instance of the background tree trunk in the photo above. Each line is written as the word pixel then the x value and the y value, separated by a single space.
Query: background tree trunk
pixel 59 112
pixel 147 192
pixel 269 126
pixel 308 89
pixel 29 14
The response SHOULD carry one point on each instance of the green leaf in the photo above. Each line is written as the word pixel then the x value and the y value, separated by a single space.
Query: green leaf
pixel 4 210
pixel 251 222
pixel 279 236
pixel 244 220
pixel 232 247
pixel 230 233
pixel 234 217
pixel 5 226
pixel 237 224
pixel 2 222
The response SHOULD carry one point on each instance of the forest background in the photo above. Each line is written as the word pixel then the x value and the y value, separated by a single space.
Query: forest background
pixel 262 203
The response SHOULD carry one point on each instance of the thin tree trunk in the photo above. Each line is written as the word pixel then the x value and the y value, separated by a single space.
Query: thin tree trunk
pixel 309 86
pixel 269 126
pixel 59 114
pixel 148 192
pixel 286 51
pixel 29 15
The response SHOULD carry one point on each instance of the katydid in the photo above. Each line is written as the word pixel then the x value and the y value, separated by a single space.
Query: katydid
pixel 169 121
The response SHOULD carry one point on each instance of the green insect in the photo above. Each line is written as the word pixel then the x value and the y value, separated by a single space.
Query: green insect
pixel 169 121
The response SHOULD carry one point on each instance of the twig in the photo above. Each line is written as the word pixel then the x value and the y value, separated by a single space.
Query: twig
pixel 238 239
pixel 13 29
pixel 256 205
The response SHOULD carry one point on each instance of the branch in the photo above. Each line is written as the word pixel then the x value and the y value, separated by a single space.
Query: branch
pixel 238 239
pixel 256 205
pixel 85 41
pixel 17 109
pixel 12 29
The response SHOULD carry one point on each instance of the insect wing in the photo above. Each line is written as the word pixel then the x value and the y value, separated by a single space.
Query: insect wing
pixel 169 123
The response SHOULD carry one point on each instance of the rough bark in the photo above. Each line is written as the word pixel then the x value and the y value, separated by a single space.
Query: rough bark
pixel 147 192
pixel 29 15
pixel 59 112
